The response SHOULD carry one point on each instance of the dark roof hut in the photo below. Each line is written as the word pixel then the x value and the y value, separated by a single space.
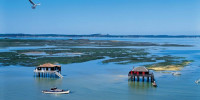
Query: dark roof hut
pixel 138 72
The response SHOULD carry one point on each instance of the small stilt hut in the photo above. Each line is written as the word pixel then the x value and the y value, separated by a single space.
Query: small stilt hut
pixel 140 72
pixel 48 70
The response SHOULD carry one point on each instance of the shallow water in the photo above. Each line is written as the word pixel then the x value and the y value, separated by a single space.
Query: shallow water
pixel 96 81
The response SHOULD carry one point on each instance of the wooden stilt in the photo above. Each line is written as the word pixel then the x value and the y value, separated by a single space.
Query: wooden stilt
pixel 143 78
pixel 131 78
pixel 138 78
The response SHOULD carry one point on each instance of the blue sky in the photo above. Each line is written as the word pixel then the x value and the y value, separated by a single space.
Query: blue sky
pixel 134 17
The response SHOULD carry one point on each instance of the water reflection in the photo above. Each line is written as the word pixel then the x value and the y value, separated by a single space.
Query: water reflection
pixel 56 95
pixel 48 82
pixel 139 85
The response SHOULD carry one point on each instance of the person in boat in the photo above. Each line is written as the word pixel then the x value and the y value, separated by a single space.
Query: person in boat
pixel 54 88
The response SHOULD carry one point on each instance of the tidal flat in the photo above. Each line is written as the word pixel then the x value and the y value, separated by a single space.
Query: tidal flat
pixel 82 50
pixel 95 71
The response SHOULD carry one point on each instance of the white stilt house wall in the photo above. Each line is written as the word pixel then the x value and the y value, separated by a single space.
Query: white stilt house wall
pixel 48 70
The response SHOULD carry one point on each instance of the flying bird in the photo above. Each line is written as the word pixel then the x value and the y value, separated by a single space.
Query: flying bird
pixel 34 5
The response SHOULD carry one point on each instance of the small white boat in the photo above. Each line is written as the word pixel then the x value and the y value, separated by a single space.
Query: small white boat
pixel 56 91
pixel 176 73
pixel 154 84
pixel 197 81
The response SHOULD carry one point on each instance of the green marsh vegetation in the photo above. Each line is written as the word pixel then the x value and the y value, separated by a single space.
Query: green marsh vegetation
pixel 82 50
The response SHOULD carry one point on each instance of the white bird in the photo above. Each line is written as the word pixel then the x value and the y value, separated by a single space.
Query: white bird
pixel 34 5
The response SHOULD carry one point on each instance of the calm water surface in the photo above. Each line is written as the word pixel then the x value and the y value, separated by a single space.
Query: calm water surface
pixel 96 81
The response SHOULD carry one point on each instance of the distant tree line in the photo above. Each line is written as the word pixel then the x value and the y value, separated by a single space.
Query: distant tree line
pixel 98 35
